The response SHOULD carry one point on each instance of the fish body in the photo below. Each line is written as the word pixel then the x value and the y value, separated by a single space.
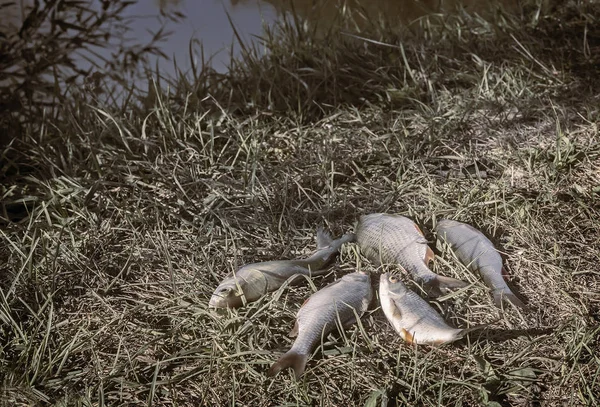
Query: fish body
pixel 478 253
pixel 252 281
pixel 339 302
pixel 412 317
pixel 395 239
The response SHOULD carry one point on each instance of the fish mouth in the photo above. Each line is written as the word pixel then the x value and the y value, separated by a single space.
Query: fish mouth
pixel 217 301
pixel 384 280
pixel 228 300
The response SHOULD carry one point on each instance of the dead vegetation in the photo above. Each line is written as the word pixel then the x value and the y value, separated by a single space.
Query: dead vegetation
pixel 121 225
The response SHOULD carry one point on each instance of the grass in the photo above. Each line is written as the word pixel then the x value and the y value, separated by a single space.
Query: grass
pixel 117 225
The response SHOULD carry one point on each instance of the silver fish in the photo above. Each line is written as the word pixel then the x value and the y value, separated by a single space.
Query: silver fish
pixel 395 239
pixel 412 317
pixel 252 281
pixel 341 301
pixel 479 254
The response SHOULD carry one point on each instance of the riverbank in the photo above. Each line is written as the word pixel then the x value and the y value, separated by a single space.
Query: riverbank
pixel 118 225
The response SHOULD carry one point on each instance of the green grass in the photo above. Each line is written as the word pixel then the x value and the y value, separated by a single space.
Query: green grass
pixel 118 226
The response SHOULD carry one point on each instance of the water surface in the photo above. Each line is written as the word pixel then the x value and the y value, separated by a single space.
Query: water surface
pixel 209 22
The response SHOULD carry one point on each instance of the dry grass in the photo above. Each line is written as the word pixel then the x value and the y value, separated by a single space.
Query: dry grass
pixel 120 226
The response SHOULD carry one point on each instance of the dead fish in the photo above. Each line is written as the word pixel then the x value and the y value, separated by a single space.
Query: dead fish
pixel 412 317
pixel 478 253
pixel 252 281
pixel 341 301
pixel 395 239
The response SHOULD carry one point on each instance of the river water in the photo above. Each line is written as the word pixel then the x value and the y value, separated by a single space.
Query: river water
pixel 208 21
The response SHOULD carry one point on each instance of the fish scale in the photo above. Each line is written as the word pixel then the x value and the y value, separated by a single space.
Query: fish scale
pixel 478 253
pixel 339 302
pixel 394 239
pixel 412 317
pixel 252 281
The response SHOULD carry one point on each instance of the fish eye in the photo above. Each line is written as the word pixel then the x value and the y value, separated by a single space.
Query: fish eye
pixel 393 279
pixel 226 290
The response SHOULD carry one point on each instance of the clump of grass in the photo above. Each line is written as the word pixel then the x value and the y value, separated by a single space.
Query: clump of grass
pixel 113 243
pixel 55 53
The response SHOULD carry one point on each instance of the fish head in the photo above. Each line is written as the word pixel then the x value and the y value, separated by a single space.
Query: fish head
pixel 391 283
pixel 227 295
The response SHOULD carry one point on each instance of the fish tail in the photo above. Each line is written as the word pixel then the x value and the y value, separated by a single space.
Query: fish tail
pixel 438 282
pixel 327 250
pixel 347 238
pixel 324 238
pixel 291 359
pixel 509 296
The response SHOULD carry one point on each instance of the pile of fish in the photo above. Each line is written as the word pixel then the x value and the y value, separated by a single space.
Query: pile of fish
pixel 385 239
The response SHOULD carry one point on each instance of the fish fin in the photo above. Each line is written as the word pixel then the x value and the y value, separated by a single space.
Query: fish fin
pixel 304 303
pixel 421 239
pixel 294 332
pixel 347 238
pixel 510 297
pixel 407 336
pixel 418 229
pixel 429 255
pixel 291 359
pixel 435 285
pixel 396 313
pixel 324 238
